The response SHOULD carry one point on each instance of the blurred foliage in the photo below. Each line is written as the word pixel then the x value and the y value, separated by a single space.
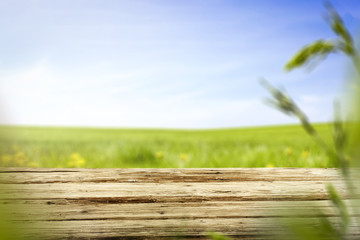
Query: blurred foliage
pixel 343 152
pixel 344 43
pixel 321 48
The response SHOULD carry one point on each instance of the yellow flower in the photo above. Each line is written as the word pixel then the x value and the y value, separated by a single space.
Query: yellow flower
pixel 305 154
pixel 159 154
pixel 80 162
pixel 20 159
pixel 75 156
pixel 76 160
pixel 184 157
pixel 269 165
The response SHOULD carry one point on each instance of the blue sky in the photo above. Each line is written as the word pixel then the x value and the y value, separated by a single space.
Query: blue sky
pixel 163 63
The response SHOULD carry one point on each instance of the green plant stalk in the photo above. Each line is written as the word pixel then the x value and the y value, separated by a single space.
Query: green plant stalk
pixel 343 44
pixel 285 104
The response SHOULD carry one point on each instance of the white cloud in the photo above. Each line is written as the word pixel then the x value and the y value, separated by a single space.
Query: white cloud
pixel 41 96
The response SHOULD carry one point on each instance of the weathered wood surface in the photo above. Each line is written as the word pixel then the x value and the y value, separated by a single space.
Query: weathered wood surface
pixel 161 203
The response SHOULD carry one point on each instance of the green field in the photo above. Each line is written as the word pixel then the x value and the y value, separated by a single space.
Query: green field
pixel 277 146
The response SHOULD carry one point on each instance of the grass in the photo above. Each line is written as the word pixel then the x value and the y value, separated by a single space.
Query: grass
pixel 277 146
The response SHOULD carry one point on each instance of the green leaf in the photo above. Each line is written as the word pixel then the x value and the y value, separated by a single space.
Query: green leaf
pixel 280 100
pixel 302 229
pixel 318 48
pixel 338 26
pixel 327 229
pixel 340 205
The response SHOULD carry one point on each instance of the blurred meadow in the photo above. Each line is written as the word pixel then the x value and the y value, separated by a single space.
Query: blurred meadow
pixel 276 146
pixel 151 70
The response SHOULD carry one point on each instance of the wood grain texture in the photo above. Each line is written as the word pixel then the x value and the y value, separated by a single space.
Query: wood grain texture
pixel 162 203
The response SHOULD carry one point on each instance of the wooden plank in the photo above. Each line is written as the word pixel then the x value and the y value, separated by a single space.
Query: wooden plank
pixel 62 210
pixel 240 228
pixel 170 192
pixel 161 203
pixel 163 175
